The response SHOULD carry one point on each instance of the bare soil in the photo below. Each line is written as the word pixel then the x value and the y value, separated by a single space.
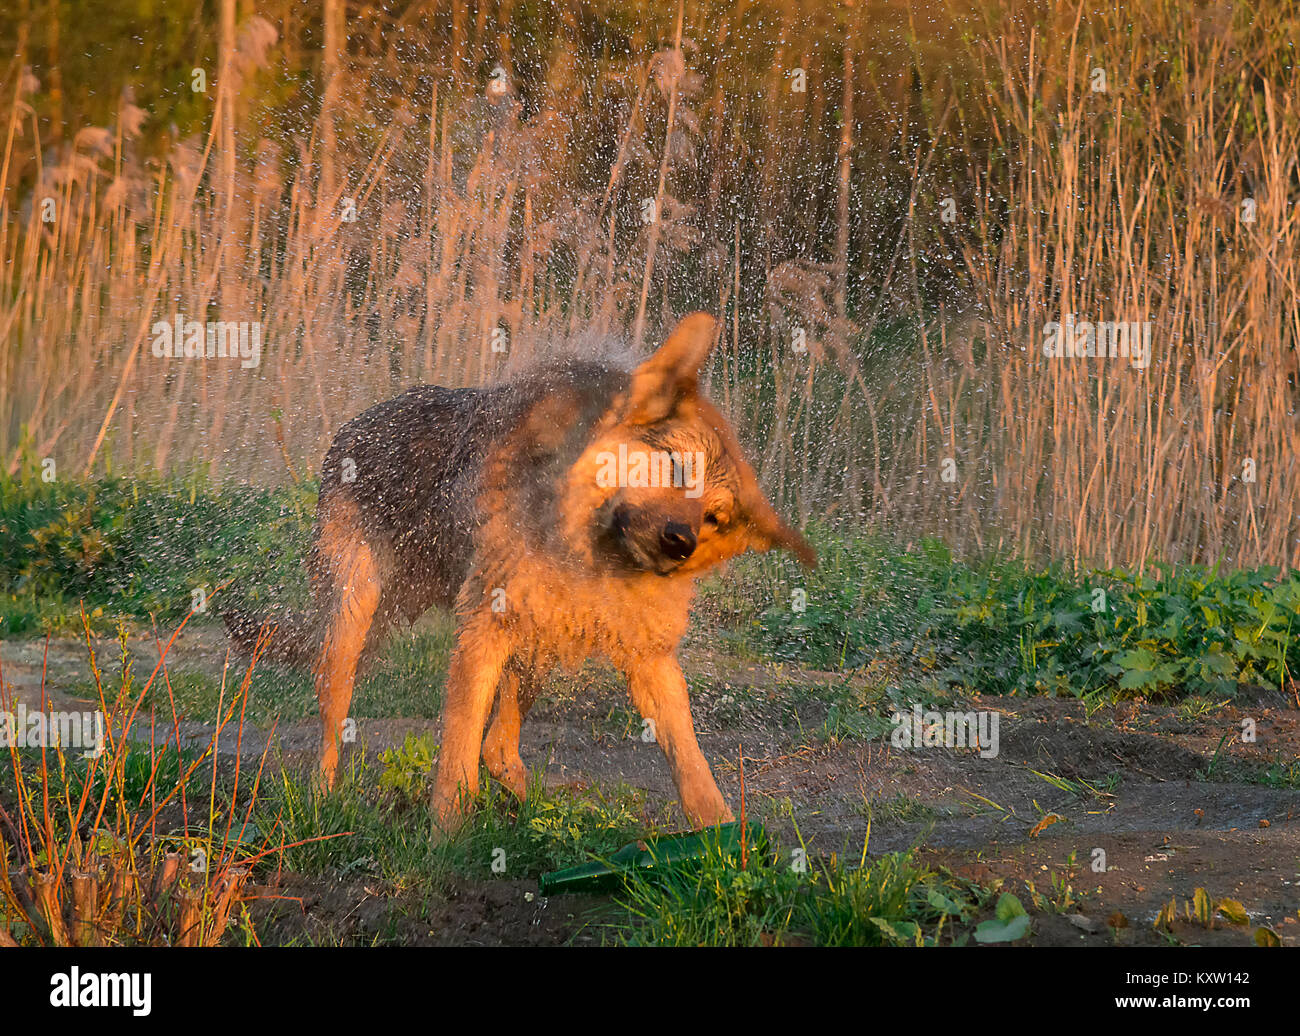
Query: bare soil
pixel 1171 802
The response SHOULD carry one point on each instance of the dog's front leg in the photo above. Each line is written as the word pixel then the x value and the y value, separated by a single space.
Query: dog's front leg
pixel 477 662
pixel 659 691
pixel 501 746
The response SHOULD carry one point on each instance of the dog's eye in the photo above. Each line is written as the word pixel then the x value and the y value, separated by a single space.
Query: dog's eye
pixel 715 519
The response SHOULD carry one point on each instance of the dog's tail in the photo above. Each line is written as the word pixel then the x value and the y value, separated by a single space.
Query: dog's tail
pixel 287 639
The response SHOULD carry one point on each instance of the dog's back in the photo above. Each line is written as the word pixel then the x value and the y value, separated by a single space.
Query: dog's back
pixel 410 468
pixel 405 478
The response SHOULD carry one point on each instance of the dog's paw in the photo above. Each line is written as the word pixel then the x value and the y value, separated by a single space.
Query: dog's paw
pixel 448 816
pixel 514 777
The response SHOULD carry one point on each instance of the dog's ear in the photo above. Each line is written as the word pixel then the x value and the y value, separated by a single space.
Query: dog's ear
pixel 768 532
pixel 763 528
pixel 673 372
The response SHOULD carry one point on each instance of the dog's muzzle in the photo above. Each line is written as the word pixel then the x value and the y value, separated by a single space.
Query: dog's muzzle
pixel 677 541
pixel 650 545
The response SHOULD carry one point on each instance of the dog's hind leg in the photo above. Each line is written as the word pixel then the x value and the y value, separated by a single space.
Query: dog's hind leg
pixel 501 746
pixel 658 690
pixel 354 591
pixel 481 652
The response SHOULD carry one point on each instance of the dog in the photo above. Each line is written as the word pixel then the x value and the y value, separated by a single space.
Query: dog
pixel 564 515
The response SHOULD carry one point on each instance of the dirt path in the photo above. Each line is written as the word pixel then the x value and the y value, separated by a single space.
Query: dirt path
pixel 1171 803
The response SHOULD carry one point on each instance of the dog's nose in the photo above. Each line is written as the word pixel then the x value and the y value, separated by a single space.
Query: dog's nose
pixel 677 541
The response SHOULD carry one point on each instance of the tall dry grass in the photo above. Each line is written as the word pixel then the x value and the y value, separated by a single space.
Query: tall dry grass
pixel 867 342
pixel 103 847
pixel 1168 198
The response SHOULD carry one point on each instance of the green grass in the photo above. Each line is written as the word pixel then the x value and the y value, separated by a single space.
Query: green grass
pixel 1004 626
pixel 140 771
pixel 1281 772
pixel 890 900
pixel 901 807
pixel 140 548
pixel 391 833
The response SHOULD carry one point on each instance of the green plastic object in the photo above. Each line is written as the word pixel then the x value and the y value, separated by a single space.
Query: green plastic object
pixel 654 854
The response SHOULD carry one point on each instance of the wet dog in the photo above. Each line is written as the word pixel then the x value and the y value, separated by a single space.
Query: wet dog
pixel 564 515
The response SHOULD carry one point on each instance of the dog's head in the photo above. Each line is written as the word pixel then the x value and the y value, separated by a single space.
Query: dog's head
pixel 664 486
